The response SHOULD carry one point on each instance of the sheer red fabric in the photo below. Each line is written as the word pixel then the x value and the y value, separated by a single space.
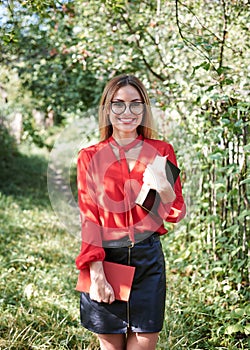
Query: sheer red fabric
pixel 107 191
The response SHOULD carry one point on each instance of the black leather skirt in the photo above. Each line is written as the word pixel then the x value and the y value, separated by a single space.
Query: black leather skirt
pixel 144 312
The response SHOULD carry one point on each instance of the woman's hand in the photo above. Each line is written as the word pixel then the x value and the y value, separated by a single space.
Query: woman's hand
pixel 100 290
pixel 155 177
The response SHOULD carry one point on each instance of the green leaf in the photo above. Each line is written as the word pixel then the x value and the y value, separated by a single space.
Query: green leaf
pixel 205 65
pixel 233 329
pixel 247 329
pixel 246 181
pixel 233 228
pixel 246 147
pixel 243 107
pixel 225 121
pixel 215 156
pixel 223 69
pixel 238 313
pixel 244 214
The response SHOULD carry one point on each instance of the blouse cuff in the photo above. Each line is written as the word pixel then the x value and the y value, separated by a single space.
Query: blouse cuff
pixel 89 254
pixel 176 214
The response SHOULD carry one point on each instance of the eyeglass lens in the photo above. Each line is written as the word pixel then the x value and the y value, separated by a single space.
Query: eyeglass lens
pixel 119 107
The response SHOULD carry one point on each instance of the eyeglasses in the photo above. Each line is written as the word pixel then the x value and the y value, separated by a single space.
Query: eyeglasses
pixel 119 107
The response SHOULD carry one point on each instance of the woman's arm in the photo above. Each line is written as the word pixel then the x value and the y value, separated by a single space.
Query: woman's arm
pixel 91 248
pixel 176 210
pixel 92 253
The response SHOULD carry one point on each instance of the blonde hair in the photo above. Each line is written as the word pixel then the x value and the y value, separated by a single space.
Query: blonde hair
pixel 105 127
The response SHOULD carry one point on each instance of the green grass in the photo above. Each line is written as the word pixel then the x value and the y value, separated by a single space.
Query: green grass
pixel 38 304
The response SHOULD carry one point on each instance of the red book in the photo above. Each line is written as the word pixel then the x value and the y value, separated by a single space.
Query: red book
pixel 120 277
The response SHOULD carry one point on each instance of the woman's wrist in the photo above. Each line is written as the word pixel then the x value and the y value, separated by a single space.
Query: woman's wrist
pixel 96 271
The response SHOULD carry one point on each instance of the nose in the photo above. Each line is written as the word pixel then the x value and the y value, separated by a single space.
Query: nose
pixel 127 110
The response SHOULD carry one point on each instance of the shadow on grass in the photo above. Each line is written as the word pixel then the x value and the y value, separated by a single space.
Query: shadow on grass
pixel 24 178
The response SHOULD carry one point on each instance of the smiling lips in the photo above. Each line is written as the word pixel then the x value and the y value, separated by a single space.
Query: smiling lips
pixel 127 120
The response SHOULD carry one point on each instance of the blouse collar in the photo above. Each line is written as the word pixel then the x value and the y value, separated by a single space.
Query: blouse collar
pixel 127 147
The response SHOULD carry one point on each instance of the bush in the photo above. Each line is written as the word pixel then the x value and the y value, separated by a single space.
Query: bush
pixel 8 146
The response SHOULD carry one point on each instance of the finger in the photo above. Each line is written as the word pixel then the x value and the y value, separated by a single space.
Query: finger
pixel 111 294
pixel 107 300
pixel 112 298
pixel 99 300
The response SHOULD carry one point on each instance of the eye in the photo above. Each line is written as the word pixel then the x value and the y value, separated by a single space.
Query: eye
pixel 137 107
pixel 136 104
pixel 119 105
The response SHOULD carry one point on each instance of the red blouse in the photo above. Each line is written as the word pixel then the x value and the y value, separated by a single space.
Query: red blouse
pixel 107 194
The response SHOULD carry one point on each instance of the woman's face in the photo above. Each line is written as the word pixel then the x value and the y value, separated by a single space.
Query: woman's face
pixel 126 120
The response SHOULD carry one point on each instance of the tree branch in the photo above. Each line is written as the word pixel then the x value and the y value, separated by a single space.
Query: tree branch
pixel 158 76
pixel 199 21
pixel 223 41
pixel 220 40
pixel 187 41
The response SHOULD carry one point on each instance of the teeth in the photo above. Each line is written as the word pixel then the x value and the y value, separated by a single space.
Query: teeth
pixel 126 120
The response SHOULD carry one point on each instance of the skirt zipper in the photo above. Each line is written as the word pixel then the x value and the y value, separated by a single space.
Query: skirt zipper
pixel 129 262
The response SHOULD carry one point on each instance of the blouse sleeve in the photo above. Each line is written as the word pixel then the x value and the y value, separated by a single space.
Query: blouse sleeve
pixel 91 247
pixel 175 211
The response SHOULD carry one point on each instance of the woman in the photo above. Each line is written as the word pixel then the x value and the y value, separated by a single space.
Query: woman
pixel 115 228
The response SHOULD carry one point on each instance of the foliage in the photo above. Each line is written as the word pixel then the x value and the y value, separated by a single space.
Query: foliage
pixel 49 60
pixel 193 57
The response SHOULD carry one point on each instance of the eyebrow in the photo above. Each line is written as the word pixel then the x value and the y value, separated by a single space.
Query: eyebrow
pixel 134 100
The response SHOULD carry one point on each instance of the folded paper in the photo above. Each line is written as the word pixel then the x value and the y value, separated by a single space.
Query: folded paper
pixel 148 198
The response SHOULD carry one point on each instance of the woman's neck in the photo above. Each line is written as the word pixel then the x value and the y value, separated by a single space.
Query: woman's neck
pixel 124 139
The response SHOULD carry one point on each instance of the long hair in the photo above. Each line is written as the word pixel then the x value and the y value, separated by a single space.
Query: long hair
pixel 145 128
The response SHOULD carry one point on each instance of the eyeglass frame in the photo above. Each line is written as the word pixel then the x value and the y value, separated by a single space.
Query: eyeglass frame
pixel 125 105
